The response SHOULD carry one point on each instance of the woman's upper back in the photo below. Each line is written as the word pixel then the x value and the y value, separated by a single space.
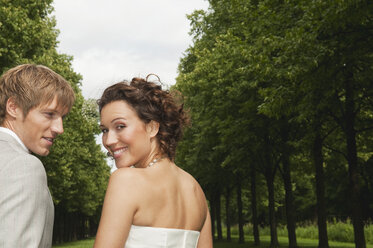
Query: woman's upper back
pixel 168 197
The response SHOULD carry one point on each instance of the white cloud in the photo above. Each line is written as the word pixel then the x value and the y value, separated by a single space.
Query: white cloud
pixel 118 39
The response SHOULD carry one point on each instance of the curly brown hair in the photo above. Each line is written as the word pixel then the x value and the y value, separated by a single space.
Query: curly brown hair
pixel 151 103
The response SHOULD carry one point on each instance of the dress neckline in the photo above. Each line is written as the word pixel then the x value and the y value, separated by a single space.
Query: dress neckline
pixel 165 228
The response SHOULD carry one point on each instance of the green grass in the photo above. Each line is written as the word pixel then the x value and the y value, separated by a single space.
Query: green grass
pixel 265 241
pixel 337 232
pixel 88 243
pixel 307 236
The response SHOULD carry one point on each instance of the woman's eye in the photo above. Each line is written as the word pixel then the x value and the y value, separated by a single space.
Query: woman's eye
pixel 104 130
pixel 119 127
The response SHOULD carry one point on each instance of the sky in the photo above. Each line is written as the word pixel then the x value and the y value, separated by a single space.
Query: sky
pixel 116 40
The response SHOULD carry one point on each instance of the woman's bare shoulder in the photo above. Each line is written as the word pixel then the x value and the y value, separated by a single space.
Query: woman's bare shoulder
pixel 122 175
pixel 190 181
pixel 125 179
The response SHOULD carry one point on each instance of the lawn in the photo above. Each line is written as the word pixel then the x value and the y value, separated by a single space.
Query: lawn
pixel 88 243
pixel 265 241
pixel 307 243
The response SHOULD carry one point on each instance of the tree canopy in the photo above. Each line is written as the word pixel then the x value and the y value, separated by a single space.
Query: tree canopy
pixel 278 88
pixel 76 167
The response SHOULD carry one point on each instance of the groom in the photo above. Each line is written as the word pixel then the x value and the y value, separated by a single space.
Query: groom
pixel 33 101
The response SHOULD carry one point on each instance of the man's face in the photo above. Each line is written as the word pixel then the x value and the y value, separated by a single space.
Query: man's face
pixel 40 127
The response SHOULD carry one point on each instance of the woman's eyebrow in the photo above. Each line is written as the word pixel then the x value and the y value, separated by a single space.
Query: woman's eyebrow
pixel 119 118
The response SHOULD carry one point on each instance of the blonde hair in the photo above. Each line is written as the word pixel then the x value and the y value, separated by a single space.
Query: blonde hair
pixel 32 85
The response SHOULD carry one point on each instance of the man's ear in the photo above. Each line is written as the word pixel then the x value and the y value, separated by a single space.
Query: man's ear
pixel 152 128
pixel 12 108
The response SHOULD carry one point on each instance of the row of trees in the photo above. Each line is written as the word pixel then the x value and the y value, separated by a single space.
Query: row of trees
pixel 281 94
pixel 76 168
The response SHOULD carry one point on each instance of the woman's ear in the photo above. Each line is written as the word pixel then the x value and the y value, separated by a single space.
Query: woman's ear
pixel 152 128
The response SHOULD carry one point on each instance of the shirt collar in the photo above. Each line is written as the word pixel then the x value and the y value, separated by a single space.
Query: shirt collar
pixel 14 135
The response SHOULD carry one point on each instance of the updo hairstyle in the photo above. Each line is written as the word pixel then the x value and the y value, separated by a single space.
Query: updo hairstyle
pixel 151 103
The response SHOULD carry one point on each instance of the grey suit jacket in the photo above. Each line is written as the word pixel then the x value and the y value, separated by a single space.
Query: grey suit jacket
pixel 26 206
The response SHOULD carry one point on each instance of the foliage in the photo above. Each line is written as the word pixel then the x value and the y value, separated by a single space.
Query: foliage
pixel 257 66
pixel 76 167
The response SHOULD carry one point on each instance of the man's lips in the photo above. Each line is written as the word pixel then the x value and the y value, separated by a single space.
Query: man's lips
pixel 50 140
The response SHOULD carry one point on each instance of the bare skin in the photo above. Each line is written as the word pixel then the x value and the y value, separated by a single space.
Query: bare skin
pixel 160 196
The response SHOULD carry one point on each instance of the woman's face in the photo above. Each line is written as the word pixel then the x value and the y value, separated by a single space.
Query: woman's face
pixel 125 135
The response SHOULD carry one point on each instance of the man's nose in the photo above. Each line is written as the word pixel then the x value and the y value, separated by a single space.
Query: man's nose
pixel 57 126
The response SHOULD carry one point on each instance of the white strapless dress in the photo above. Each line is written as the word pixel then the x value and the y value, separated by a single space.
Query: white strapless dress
pixel 157 237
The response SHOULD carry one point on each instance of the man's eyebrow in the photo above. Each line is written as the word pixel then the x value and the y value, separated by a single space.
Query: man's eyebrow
pixel 50 109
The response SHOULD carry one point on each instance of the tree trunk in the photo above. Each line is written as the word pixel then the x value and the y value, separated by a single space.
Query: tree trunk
pixel 82 227
pixel 58 226
pixel 357 220
pixel 212 213
pixel 218 215
pixel 254 207
pixel 67 228
pixel 241 237
pixel 93 224
pixel 227 213
pixel 289 207
pixel 269 173
pixel 271 205
pixel 320 188
pixel 75 223
pixel 290 218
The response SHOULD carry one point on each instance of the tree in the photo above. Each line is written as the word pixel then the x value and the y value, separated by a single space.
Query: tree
pixel 333 42
pixel 76 167
pixel 280 83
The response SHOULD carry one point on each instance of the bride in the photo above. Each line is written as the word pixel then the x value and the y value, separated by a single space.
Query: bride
pixel 150 201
